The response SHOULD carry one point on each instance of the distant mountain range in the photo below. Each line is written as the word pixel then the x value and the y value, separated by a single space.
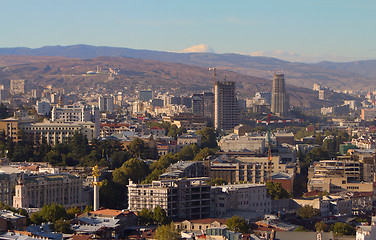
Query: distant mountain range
pixel 350 75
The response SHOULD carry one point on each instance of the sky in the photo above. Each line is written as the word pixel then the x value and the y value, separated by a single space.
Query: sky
pixel 292 30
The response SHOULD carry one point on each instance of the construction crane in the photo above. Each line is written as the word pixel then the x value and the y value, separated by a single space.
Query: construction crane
pixel 267 120
pixel 214 69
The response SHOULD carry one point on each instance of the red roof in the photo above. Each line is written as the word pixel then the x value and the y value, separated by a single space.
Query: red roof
pixel 108 212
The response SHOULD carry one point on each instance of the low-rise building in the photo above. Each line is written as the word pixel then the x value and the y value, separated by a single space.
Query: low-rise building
pixel 188 139
pixel 200 224
pixel 367 232
pixel 236 143
pixel 249 200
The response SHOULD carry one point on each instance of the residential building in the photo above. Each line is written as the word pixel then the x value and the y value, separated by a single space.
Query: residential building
pixel 368 114
pixel 183 198
pixel 222 233
pixel 367 232
pixel 250 200
pixel 267 96
pixel 200 224
pixel 235 143
pixel 145 95
pixel 18 86
pixel 226 108
pixel 249 169
pixel 188 139
pixel 35 191
pixel 203 104
pixel 77 113
pixel 188 121
pixel 105 223
pixel 10 126
pixel 12 221
pixel 6 185
pixel 280 100
pixel 106 104
pixel 43 107
pixel 185 169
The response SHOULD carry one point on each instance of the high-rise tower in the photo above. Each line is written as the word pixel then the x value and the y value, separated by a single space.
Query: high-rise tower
pixel 226 108
pixel 280 100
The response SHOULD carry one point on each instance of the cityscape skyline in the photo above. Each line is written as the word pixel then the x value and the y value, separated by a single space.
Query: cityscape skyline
pixel 292 30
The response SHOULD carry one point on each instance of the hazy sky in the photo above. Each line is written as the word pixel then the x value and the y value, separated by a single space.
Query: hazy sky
pixel 301 30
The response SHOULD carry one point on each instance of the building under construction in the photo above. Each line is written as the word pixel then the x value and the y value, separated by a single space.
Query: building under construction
pixel 226 108
pixel 280 99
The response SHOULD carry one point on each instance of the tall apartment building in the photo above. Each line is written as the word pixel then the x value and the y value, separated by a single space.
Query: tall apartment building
pixel 203 104
pixel 6 185
pixel 145 95
pixel 18 86
pixel 280 100
pixel 77 113
pixel 106 103
pixel 38 190
pixel 183 198
pixel 226 108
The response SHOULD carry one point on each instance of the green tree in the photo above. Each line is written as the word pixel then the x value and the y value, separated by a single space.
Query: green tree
pixel 118 159
pixel 62 226
pixel 321 226
pixel 204 153
pixel 188 152
pixel 145 217
pixel 275 191
pixel 208 137
pixel 88 209
pixel 317 154
pixel 53 212
pixel 167 232
pixel 218 182
pixel 308 212
pixel 238 224
pixel 111 194
pixel 36 218
pixel 73 212
pixel 160 216
pixel 340 229
pixel 133 169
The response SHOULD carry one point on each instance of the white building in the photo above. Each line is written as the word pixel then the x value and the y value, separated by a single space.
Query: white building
pixel 57 132
pixel 250 200
pixel 43 107
pixel 367 232
pixel 236 143
pixel 77 113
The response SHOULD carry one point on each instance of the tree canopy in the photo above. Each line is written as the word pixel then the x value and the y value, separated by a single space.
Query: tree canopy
pixel 308 212
pixel 238 224
pixel 167 232
pixel 275 191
